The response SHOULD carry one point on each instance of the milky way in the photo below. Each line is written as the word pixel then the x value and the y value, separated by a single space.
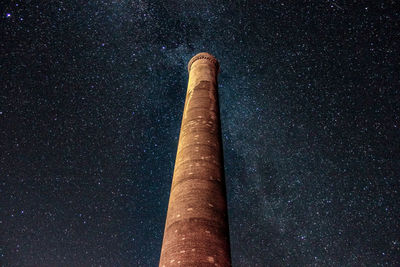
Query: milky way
pixel 90 109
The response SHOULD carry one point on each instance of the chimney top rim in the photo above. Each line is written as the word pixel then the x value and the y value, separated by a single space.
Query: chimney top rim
pixel 203 55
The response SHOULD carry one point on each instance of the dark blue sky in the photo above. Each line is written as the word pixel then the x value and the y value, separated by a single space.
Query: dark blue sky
pixel 90 108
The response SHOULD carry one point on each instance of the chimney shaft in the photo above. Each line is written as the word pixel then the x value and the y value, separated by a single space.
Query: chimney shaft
pixel 196 229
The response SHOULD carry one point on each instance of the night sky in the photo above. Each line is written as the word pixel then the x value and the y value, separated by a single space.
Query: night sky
pixel 91 101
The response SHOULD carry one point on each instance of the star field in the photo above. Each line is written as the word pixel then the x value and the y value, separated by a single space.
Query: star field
pixel 91 104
